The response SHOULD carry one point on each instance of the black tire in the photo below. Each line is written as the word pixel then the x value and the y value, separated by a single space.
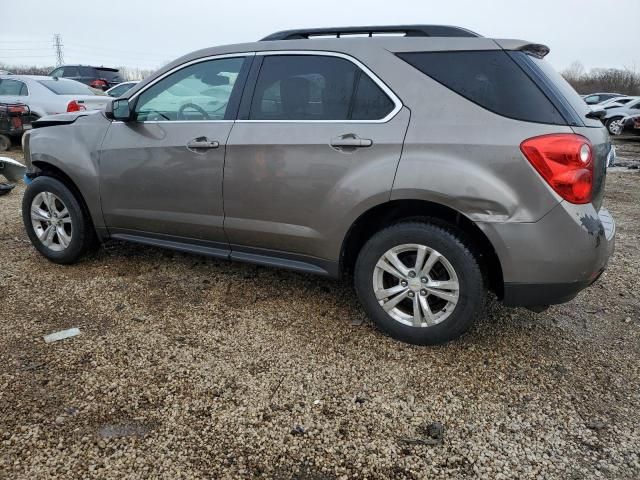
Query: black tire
pixel 5 143
pixel 83 235
pixel 451 244
pixel 608 125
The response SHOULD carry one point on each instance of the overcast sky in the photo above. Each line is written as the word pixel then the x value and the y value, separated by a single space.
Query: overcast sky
pixel 149 33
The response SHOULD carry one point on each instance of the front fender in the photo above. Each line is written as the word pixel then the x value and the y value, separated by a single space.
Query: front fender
pixel 74 150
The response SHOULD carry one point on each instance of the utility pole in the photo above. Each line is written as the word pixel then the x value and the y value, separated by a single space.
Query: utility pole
pixel 57 44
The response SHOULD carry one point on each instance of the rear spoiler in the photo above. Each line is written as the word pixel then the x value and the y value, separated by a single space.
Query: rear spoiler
pixel 536 49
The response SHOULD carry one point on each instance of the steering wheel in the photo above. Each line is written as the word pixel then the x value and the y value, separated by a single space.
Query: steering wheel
pixel 197 108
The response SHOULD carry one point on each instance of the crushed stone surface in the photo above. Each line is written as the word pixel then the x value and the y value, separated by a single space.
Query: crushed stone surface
pixel 189 367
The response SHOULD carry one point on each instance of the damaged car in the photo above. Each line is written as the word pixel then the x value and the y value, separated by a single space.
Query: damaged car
pixel 427 163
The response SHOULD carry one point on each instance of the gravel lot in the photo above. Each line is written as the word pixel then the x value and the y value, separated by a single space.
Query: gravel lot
pixel 189 367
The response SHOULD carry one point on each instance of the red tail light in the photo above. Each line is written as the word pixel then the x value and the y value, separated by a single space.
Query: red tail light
pixel 74 106
pixel 99 84
pixel 565 161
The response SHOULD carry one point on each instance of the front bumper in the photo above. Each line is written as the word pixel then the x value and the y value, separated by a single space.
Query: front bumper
pixel 552 260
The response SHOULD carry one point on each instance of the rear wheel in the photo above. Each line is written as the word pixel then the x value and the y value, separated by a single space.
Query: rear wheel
pixel 5 143
pixel 55 221
pixel 420 283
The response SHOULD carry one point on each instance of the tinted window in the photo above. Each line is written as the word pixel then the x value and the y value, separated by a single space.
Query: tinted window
pixel 197 92
pixel 56 73
pixel 490 79
pixel 109 75
pixel 13 88
pixel 314 87
pixel 370 102
pixel 67 87
pixel 86 71
pixel 71 72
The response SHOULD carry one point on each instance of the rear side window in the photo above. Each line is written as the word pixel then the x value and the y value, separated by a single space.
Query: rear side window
pixel 490 79
pixel 13 88
pixel 316 87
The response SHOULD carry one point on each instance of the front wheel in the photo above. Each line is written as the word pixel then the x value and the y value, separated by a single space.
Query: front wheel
pixel 55 221
pixel 420 282
pixel 614 126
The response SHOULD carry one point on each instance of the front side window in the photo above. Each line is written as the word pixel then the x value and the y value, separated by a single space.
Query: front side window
pixel 198 92
pixel 71 72
pixel 57 72
pixel 13 88
pixel 315 87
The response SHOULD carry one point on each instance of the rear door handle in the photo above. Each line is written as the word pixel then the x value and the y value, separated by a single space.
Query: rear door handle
pixel 202 143
pixel 350 141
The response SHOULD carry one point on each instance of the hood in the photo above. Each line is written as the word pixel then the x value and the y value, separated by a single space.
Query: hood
pixel 61 118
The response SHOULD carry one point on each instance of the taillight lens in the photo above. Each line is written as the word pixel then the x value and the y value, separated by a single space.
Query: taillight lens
pixel 99 84
pixel 74 106
pixel 565 161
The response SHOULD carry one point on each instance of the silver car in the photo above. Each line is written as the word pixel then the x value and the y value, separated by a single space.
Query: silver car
pixel 48 96
pixel 614 116
pixel 431 168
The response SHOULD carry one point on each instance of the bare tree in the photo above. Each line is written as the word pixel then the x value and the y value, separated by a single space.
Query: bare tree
pixel 624 81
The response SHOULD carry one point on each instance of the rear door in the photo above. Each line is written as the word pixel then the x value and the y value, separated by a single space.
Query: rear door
pixel 316 135
pixel 161 173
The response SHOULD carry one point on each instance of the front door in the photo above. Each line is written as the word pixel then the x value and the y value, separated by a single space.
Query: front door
pixel 161 173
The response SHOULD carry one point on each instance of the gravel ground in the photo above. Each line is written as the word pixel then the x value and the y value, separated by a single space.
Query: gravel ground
pixel 189 367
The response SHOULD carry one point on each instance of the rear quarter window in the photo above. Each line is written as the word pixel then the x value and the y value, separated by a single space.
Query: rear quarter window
pixel 490 79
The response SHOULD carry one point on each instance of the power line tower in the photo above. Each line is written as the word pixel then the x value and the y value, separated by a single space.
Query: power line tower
pixel 57 44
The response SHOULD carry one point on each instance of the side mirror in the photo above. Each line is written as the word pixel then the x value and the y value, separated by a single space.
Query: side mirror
pixel 118 109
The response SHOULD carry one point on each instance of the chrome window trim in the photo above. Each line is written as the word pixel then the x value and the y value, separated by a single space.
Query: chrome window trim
pixel 323 53
pixel 180 67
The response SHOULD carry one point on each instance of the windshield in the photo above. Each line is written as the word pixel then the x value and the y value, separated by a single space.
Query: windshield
pixel 66 87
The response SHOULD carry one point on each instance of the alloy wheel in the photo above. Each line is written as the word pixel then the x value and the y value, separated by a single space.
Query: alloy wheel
pixel 416 285
pixel 51 221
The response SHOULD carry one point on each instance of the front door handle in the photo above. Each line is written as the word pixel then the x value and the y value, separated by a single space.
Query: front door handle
pixel 350 142
pixel 202 143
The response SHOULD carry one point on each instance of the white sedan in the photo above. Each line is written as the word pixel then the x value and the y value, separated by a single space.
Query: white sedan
pixel 48 96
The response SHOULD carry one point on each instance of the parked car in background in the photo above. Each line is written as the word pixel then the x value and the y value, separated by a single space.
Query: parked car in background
pixel 616 102
pixel 5 72
pixel 595 98
pixel 47 96
pixel 121 89
pixel 101 78
pixel 329 159
pixel 630 125
pixel 614 116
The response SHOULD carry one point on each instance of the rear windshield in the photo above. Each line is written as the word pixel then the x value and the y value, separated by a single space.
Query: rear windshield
pixel 490 79
pixel 107 74
pixel 66 87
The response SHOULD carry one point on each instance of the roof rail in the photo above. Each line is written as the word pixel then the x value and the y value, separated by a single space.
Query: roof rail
pixel 407 30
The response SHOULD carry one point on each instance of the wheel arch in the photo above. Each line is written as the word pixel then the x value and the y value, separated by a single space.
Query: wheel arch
pixel 48 169
pixel 396 211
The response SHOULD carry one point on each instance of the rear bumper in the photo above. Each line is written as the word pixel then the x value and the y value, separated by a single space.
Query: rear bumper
pixel 552 260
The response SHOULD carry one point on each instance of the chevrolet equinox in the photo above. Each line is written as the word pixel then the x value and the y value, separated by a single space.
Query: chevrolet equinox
pixel 428 163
